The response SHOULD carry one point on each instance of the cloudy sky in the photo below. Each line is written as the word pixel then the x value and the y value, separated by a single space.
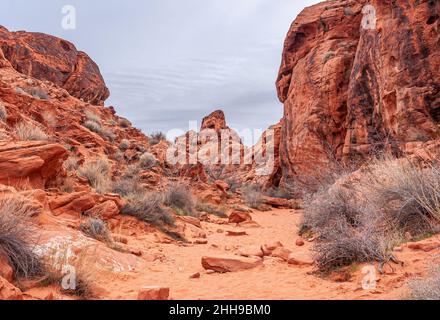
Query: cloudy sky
pixel 167 62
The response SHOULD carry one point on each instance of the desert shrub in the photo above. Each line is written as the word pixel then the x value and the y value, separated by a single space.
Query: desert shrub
pixel 407 196
pixel 347 231
pixel 97 173
pixel 278 192
pixel 93 126
pixel 72 163
pixel 147 161
pixel 124 123
pixel 93 122
pixel 328 207
pixel 90 116
pixel 157 137
pixel 216 172
pixel 66 185
pixel 108 134
pixel 16 236
pixel 253 196
pixel 208 208
pixel 180 199
pixel 3 113
pixel 118 156
pixel 428 288
pixel 30 132
pixel 35 92
pixel 360 219
pixel 129 185
pixel 96 229
pixel 124 145
pixel 148 208
pixel 234 184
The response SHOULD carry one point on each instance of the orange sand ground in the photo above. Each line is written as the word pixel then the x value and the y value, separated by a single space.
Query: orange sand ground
pixel 276 280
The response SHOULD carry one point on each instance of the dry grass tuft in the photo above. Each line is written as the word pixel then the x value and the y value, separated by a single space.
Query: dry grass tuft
pixel 149 208
pixel 147 161
pixel 129 185
pixel 428 288
pixel 30 132
pixel 71 164
pixel 157 137
pixel 253 196
pixel 180 199
pixel 124 145
pixel 360 219
pixel 36 92
pixel 97 173
pixel 96 229
pixel 124 123
pixel 16 236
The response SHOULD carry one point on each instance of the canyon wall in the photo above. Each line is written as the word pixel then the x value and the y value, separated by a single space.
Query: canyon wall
pixel 358 78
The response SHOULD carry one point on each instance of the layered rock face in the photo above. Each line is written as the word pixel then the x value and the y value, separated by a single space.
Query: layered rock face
pixel 356 80
pixel 33 163
pixel 49 58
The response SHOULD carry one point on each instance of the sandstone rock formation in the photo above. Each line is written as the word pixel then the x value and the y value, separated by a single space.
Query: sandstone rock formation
pixel 350 90
pixel 49 58
pixel 154 293
pixel 32 163
pixel 224 264
pixel 8 291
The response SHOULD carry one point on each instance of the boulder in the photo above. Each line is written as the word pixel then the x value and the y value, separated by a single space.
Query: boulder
pixel 223 264
pixel 46 57
pixel 8 291
pixel 30 163
pixel 73 204
pixel 154 293
pixel 282 253
pixel 300 259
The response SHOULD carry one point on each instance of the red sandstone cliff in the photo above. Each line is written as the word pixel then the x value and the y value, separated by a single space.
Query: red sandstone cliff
pixel 349 91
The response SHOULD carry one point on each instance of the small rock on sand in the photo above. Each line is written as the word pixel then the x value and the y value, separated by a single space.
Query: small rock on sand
pixel 231 263
pixel 154 293
pixel 236 233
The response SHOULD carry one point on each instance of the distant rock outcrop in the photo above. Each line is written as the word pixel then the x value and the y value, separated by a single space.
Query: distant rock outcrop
pixel 351 88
